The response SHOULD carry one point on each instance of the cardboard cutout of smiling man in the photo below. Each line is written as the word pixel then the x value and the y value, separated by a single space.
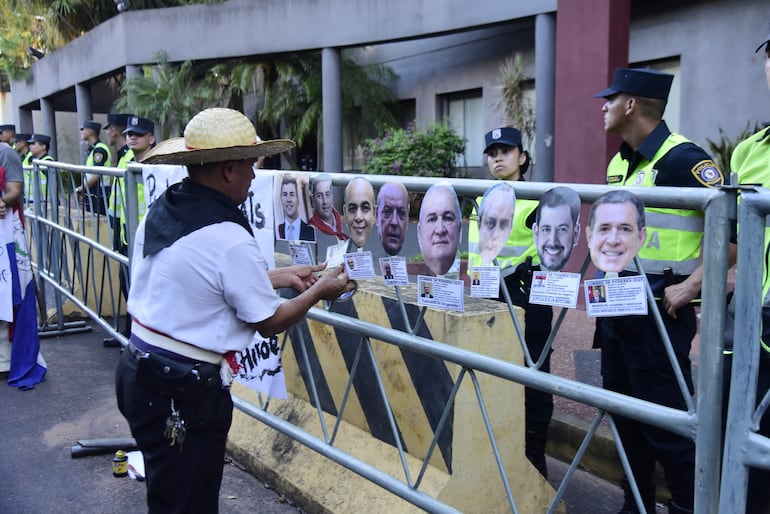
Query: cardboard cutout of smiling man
pixel 359 210
pixel 616 230
pixel 438 231
pixel 556 227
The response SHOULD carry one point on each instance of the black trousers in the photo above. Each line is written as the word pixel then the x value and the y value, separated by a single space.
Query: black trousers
pixel 182 479
pixel 634 362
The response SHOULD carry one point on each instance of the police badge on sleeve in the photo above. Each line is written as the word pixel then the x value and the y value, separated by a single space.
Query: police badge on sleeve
pixel 707 173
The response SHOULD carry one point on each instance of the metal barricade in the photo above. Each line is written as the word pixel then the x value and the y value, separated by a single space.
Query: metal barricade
pixel 68 248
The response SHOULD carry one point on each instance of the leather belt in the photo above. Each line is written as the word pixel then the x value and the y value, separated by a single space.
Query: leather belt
pixel 173 345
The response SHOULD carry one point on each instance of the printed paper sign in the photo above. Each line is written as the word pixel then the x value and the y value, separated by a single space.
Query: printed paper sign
pixel 158 177
pixel 440 293
pixel 555 288
pixel 616 296
pixel 259 367
pixel 359 265
pixel 336 253
pixel 394 271
pixel 485 281
pixel 300 254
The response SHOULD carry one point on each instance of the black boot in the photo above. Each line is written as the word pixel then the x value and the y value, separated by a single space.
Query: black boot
pixel 647 491
pixel 535 440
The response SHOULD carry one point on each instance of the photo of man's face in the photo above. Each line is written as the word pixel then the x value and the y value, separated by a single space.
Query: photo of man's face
pixel 495 221
pixel 359 210
pixel 614 236
pixel 555 236
pixel 438 231
pixel 392 217
pixel 289 200
pixel 323 201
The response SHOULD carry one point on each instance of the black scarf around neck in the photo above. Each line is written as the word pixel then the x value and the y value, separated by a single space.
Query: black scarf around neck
pixel 184 208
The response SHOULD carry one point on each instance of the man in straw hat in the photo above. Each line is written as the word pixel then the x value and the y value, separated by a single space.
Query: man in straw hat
pixel 200 288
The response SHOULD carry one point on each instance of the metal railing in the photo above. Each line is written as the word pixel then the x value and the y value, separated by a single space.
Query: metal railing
pixel 68 249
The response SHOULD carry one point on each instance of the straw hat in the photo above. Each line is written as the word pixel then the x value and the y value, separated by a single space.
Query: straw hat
pixel 216 135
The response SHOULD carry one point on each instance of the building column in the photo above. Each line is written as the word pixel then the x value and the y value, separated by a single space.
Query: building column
pixel 545 82
pixel 591 41
pixel 24 121
pixel 85 111
pixel 49 124
pixel 331 72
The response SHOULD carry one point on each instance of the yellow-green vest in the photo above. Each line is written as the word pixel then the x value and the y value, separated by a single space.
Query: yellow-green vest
pixel 520 244
pixel 673 235
pixel 750 160
pixel 127 158
pixel 28 167
pixel 114 208
pixel 90 159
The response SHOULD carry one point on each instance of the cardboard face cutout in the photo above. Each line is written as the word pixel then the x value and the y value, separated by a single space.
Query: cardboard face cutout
pixel 556 229
pixel 392 217
pixel 290 212
pixel 359 210
pixel 616 230
pixel 495 221
pixel 438 231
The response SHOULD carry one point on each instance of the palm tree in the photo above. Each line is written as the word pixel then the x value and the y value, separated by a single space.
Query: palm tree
pixel 288 91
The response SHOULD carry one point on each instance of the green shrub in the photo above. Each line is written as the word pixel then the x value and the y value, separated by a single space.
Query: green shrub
pixel 722 151
pixel 410 152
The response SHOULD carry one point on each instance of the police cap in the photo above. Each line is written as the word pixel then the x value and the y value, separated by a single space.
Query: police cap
pixel 7 127
pixel 502 136
pixel 139 125
pixel 117 120
pixel 21 137
pixel 93 125
pixel 767 40
pixel 39 138
pixel 639 82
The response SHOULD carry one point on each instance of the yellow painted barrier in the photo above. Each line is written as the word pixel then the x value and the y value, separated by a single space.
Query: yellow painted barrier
pixel 462 471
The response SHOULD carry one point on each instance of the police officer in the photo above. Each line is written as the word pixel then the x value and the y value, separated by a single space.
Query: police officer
pixel 507 160
pixel 39 145
pixel 96 191
pixel 634 360
pixel 116 124
pixel 749 161
pixel 140 139
pixel 22 147
pixel 7 133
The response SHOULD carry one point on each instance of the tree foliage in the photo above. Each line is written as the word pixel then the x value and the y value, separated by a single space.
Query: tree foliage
pixel 49 24
pixel 722 149
pixel 170 95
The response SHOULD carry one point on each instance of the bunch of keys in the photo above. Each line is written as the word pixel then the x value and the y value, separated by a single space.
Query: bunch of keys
pixel 175 429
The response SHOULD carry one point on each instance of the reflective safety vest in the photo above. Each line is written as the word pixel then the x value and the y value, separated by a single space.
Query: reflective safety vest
pixel 122 200
pixel 28 185
pixel 520 244
pixel 673 235
pixel 750 161
pixel 114 208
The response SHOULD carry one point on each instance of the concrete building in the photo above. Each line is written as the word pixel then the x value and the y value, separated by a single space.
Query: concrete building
pixel 447 55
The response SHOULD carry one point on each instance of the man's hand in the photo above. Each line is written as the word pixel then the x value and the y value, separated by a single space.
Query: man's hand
pixel 3 209
pixel 334 283
pixel 302 276
pixel 677 296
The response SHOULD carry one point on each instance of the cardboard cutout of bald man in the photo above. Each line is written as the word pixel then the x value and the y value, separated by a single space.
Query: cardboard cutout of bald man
pixel 358 210
pixel 392 216
pixel 495 220
pixel 438 230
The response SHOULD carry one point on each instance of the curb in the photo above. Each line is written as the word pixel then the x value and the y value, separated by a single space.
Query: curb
pixel 567 432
